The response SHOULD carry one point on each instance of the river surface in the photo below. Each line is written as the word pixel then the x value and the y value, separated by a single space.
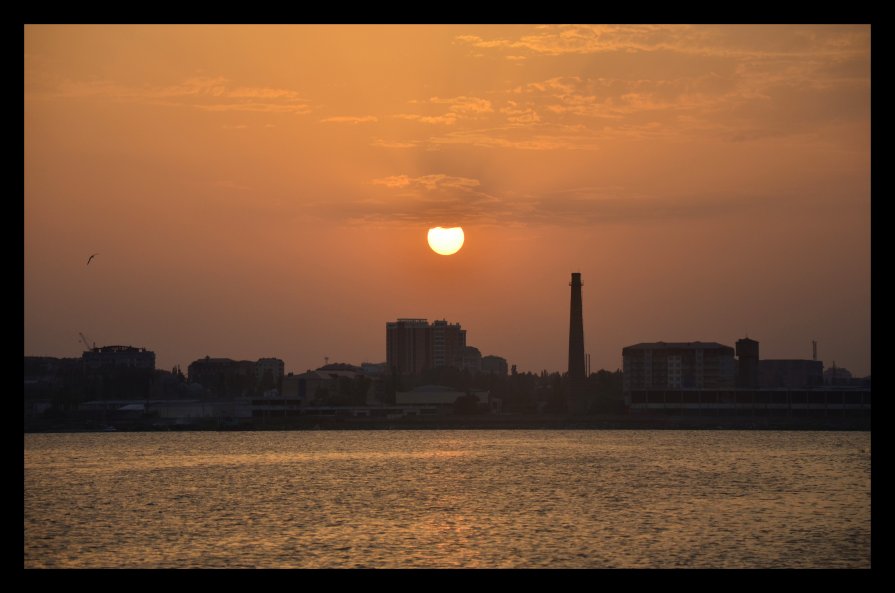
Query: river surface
pixel 448 498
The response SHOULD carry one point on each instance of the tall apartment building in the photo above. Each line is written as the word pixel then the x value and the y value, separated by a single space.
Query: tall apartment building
pixel 413 345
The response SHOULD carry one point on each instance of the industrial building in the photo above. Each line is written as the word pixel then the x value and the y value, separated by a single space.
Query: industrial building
pixel 701 378
pixel 577 399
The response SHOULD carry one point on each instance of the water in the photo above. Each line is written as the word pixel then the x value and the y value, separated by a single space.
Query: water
pixel 448 499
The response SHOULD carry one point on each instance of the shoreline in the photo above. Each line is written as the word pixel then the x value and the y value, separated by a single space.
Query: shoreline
pixel 486 422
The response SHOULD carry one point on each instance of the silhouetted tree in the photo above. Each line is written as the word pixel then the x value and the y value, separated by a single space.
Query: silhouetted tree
pixel 556 401
pixel 607 392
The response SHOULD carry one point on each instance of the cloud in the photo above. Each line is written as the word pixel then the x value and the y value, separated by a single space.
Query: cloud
pixel 460 200
pixel 579 39
pixel 595 205
pixel 351 119
pixel 446 120
pixel 800 82
pixel 428 182
pixel 523 136
pixel 520 115
pixel 393 181
pixel 746 41
pixel 739 83
pixel 465 105
pixel 257 107
pixel 448 199
pixel 459 108
pixel 616 98
pixel 205 93
pixel 395 143
pixel 744 99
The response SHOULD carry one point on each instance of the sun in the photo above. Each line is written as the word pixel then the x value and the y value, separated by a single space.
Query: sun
pixel 446 241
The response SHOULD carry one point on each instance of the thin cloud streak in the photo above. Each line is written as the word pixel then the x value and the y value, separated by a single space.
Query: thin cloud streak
pixel 206 93
pixel 423 199
pixel 724 41
pixel 350 119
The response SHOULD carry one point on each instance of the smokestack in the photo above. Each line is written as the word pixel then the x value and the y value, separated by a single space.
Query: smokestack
pixel 576 331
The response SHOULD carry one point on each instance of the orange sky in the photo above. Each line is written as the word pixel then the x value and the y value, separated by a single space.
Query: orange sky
pixel 266 190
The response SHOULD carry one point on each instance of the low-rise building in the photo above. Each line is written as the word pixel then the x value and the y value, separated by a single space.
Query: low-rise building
pixel 223 377
pixel 118 357
pixel 330 384
pixel 790 374
pixel 471 359
pixel 494 365
pixel 443 398
pixel 274 366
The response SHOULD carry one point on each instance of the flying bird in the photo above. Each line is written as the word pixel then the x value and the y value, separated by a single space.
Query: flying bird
pixel 89 259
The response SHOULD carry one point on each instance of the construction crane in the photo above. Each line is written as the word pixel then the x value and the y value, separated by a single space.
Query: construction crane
pixel 86 342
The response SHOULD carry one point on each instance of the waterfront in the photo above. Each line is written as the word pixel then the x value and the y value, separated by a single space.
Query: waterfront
pixel 448 498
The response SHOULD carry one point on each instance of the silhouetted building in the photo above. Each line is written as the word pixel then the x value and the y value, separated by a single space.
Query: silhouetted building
pixel 837 376
pixel 448 343
pixel 407 346
pixel 48 367
pixel 494 365
pixel 223 376
pixel 52 379
pixel 790 374
pixel 412 345
pixel 576 399
pixel 332 384
pixel 341 366
pixel 274 365
pixel 471 359
pixel 443 399
pixel 118 371
pixel 374 369
pixel 576 330
pixel 747 363
pixel 678 365
pixel 118 357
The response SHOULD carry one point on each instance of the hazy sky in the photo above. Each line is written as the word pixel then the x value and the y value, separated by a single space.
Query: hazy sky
pixel 267 190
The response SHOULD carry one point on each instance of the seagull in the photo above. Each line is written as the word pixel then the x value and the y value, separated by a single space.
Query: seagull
pixel 91 257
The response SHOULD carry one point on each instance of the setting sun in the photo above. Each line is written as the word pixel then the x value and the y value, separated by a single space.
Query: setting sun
pixel 446 241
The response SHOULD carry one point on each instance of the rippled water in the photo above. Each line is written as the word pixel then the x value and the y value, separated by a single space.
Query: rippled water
pixel 448 499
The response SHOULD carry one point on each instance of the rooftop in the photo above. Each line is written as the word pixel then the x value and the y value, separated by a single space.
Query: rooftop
pixel 670 345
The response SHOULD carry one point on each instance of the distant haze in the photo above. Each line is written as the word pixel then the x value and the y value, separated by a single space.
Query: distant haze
pixel 267 190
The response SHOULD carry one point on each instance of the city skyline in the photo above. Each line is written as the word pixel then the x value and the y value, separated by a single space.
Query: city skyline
pixel 267 191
